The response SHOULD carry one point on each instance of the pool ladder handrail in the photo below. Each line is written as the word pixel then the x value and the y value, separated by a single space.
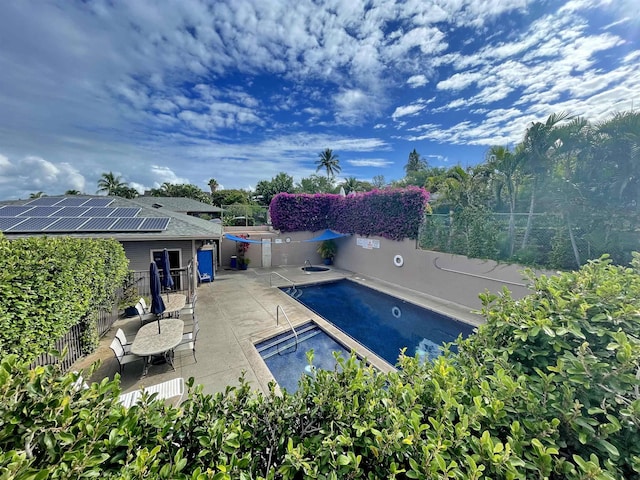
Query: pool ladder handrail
pixel 295 334
pixel 282 277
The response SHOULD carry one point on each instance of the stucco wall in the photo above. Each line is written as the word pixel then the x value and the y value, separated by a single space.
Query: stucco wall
pixel 451 277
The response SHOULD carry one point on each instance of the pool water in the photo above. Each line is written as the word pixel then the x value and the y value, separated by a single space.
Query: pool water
pixel 287 363
pixel 381 322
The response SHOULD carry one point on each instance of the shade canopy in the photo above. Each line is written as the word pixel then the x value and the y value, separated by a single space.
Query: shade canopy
pixel 240 239
pixel 326 235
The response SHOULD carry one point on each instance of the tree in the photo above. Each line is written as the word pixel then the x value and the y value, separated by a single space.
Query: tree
pixel 351 185
pixel 185 190
pixel 125 191
pixel 230 197
pixel 537 147
pixel 36 195
pixel 415 163
pixel 378 181
pixel 329 161
pixel 73 192
pixel 315 184
pixel 266 190
pixel 109 183
pixel 213 184
pixel 504 164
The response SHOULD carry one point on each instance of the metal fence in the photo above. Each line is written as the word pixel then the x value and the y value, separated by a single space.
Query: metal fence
pixel 136 286
pixel 550 242
pixel 240 215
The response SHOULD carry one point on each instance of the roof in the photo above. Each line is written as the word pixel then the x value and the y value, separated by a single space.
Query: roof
pixel 180 227
pixel 178 204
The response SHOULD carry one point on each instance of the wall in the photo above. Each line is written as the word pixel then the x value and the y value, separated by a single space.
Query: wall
pixel 451 277
pixel 139 253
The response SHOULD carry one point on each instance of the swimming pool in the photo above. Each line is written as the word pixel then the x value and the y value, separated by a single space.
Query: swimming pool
pixel 287 363
pixel 382 323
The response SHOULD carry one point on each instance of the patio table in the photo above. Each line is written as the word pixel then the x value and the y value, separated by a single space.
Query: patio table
pixel 174 302
pixel 148 342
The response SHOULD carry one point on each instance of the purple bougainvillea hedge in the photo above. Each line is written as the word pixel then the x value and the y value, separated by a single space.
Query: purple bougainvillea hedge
pixel 395 214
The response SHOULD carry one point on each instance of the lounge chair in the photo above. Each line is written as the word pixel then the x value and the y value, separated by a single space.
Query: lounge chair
pixel 203 277
pixel 164 391
pixel 122 357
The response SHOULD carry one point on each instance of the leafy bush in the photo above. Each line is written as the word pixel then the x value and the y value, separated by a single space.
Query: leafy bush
pixel 546 389
pixel 48 285
pixel 395 213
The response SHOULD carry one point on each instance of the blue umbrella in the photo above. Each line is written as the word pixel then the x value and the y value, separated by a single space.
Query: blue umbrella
pixel 157 305
pixel 167 281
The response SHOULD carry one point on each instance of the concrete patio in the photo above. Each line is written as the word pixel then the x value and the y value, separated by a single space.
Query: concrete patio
pixel 237 310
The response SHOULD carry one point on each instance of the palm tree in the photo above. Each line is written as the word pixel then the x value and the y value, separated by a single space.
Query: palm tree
pixel 213 184
pixel 329 161
pixel 36 195
pixel 504 165
pixel 351 184
pixel 73 192
pixel 538 145
pixel 110 183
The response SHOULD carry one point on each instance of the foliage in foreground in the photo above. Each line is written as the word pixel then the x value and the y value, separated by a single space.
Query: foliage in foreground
pixel 546 389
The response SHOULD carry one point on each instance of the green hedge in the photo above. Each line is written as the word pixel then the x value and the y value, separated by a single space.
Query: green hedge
pixel 48 285
pixel 546 389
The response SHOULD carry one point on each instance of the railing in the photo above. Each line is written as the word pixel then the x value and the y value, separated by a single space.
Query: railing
pixel 295 334
pixel 282 277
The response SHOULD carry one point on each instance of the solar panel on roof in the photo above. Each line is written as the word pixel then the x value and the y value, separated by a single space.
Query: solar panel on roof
pixel 67 224
pixel 154 223
pixel 72 202
pixel 125 212
pixel 125 224
pixel 13 210
pixel 33 224
pixel 39 211
pixel 45 201
pixel 70 212
pixel 98 202
pixel 98 224
pixel 98 212
pixel 7 222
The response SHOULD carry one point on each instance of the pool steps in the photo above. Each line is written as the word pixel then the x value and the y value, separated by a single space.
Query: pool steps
pixel 287 340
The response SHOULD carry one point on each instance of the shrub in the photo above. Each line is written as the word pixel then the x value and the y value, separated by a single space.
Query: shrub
pixel 48 285
pixel 395 213
pixel 546 389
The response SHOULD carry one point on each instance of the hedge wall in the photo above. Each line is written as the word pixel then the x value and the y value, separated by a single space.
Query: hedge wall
pixel 47 285
pixel 546 389
pixel 395 213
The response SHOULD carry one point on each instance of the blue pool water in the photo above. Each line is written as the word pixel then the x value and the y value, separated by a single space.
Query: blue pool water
pixel 287 363
pixel 380 322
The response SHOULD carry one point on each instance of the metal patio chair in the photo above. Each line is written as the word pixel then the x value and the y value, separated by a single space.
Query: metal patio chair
pixel 122 357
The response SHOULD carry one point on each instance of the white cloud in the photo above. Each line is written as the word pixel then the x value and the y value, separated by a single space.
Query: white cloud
pixel 34 174
pixel 370 162
pixel 416 81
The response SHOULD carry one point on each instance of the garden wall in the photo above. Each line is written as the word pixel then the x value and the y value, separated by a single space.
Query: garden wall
pixel 451 277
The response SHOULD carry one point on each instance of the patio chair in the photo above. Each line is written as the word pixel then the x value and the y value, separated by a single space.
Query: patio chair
pixel 123 340
pixel 144 315
pixel 190 308
pixel 203 277
pixel 122 357
pixel 164 391
pixel 189 343
pixel 188 336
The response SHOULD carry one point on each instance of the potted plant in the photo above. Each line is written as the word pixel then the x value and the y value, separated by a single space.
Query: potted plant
pixel 243 263
pixel 328 250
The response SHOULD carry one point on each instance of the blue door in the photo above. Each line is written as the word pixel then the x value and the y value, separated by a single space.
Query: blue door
pixel 205 262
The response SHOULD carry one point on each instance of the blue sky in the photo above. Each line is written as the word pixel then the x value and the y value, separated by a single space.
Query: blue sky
pixel 182 91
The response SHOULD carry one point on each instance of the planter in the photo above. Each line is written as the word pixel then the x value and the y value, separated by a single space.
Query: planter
pixel 328 261
pixel 244 266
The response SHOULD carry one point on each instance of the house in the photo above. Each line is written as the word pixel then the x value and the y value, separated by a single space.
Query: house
pixel 143 230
